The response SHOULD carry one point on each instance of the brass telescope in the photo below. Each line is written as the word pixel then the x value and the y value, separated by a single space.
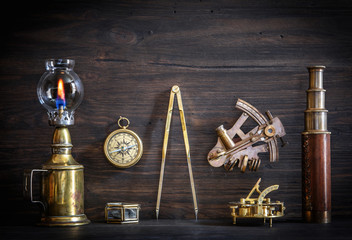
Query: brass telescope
pixel 316 162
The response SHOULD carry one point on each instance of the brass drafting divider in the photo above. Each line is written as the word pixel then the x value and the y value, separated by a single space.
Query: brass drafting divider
pixel 176 90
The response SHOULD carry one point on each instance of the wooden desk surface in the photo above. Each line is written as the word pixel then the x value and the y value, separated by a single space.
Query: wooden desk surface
pixel 187 229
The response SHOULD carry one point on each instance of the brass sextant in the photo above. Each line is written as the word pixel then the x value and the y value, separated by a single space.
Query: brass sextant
pixel 260 207
pixel 236 147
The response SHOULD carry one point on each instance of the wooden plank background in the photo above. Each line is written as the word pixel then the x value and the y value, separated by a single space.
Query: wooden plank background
pixel 130 53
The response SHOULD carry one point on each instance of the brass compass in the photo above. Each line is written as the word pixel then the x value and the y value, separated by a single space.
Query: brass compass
pixel 123 147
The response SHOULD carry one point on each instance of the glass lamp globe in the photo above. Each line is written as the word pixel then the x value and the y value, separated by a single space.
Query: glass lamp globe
pixel 60 91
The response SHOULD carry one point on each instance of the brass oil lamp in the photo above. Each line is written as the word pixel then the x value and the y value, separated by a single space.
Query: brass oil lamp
pixel 60 91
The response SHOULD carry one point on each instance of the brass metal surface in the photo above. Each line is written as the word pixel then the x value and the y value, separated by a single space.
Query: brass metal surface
pixel 123 147
pixel 315 115
pixel 260 207
pixel 225 138
pixel 62 185
pixel 64 221
pixel 175 90
pixel 234 147
pixel 316 76
pixel 315 121
pixel 122 212
pixel 316 159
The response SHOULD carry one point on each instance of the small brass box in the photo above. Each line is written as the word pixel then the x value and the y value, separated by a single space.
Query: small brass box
pixel 122 213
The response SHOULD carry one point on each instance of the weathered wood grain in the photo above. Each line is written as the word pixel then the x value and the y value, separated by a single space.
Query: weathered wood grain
pixel 130 53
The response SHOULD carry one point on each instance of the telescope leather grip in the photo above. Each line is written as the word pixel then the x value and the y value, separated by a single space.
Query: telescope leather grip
pixel 316 177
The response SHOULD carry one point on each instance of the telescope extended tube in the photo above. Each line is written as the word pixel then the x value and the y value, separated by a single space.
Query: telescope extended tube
pixel 316 159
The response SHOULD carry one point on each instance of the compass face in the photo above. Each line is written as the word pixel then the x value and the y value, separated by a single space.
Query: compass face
pixel 123 148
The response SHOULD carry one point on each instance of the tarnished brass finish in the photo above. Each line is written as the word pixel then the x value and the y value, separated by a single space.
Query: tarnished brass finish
pixel 315 121
pixel 315 115
pixel 236 147
pixel 123 147
pixel 225 138
pixel 60 91
pixel 122 213
pixel 316 159
pixel 62 185
pixel 260 207
pixel 175 90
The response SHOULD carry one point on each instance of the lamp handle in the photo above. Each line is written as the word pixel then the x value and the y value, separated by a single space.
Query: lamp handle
pixel 28 183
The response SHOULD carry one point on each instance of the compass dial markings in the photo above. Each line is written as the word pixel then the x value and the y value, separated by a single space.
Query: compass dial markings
pixel 123 143
pixel 123 148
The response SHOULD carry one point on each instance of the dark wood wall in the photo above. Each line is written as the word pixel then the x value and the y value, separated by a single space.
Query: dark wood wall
pixel 130 53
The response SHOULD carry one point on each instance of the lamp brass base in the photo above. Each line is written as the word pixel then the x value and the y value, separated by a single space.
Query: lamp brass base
pixel 64 221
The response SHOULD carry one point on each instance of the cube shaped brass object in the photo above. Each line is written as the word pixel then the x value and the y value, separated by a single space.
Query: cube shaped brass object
pixel 122 212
